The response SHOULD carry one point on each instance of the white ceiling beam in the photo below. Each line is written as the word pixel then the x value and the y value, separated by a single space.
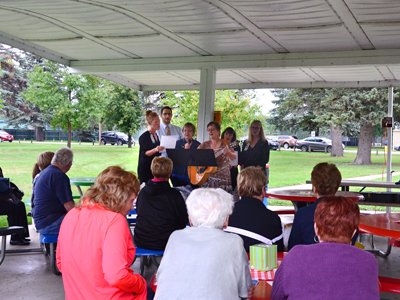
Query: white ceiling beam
pixel 343 12
pixel 239 18
pixel 34 49
pixel 79 33
pixel 283 60
pixel 121 80
pixel 148 23
pixel 250 86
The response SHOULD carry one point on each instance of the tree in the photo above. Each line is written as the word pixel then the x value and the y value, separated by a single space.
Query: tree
pixel 66 100
pixel 353 110
pixel 125 110
pixel 15 65
pixel 235 106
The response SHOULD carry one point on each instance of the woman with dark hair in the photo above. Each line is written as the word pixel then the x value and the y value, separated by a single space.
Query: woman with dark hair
pixel 12 206
pixel 149 146
pixel 180 176
pixel 331 269
pixel 223 154
pixel 95 247
pixel 229 135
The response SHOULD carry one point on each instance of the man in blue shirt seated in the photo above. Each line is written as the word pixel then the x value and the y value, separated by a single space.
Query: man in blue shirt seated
pixel 325 179
pixel 52 195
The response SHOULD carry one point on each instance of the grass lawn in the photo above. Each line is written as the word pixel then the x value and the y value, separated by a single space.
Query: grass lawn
pixel 286 167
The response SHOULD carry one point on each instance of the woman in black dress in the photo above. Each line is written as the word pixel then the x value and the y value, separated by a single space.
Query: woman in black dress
pixel 149 147
pixel 255 150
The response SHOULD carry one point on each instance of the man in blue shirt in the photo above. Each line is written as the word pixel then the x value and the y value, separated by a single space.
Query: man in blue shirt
pixel 325 179
pixel 52 195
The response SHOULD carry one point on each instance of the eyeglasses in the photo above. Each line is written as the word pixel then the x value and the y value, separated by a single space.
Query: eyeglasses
pixel 189 130
pixel 211 129
pixel 167 114
pixel 255 128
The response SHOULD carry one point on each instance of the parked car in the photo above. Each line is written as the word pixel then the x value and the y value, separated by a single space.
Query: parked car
pixel 397 147
pixel 273 145
pixel 315 143
pixel 5 136
pixel 286 141
pixel 115 137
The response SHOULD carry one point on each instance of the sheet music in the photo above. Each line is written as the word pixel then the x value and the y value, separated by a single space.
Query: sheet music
pixel 235 162
pixel 168 141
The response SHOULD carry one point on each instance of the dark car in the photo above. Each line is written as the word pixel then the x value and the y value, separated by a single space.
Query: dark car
pixel 115 137
pixel 5 136
pixel 315 143
pixel 273 145
pixel 397 147
pixel 286 141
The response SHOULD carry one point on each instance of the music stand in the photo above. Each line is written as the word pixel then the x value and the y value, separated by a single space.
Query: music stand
pixel 192 157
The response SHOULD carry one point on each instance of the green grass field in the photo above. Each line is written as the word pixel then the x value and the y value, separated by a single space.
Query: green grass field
pixel 286 167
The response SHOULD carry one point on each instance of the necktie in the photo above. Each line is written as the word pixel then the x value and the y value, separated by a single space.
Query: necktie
pixel 168 130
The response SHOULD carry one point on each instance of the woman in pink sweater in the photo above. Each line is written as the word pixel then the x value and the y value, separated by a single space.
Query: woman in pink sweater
pixel 95 248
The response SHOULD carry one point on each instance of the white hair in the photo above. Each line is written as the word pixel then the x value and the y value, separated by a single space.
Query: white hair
pixel 209 207
pixel 63 157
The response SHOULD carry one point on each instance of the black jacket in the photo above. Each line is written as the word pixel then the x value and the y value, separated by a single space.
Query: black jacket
pixel 252 215
pixel 160 211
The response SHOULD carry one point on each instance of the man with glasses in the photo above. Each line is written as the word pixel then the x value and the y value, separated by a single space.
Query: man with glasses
pixel 166 128
pixel 51 193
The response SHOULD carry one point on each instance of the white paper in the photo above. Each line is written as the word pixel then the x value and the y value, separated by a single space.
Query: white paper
pixel 168 141
pixel 235 162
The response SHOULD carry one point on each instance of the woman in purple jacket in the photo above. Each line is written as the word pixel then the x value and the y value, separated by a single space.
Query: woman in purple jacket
pixel 331 269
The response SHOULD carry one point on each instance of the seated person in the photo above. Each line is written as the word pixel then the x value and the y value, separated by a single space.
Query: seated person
pixel 51 193
pixel 325 179
pixel 95 248
pixel 202 261
pixel 160 208
pixel 251 214
pixel 180 176
pixel 12 206
pixel 331 269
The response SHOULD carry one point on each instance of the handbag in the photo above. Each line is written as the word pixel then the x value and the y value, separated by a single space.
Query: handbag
pixel 4 185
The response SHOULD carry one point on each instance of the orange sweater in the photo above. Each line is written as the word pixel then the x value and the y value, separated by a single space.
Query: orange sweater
pixel 94 253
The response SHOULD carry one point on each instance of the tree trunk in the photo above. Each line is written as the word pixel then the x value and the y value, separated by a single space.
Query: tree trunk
pixel 99 134
pixel 39 134
pixel 336 135
pixel 364 145
pixel 129 140
pixel 317 132
pixel 69 135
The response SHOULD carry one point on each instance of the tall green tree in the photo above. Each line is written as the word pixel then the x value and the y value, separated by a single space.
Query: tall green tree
pixel 15 66
pixel 236 107
pixel 354 111
pixel 125 111
pixel 66 100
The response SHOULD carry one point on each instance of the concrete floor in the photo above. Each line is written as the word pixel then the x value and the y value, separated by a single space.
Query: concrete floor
pixel 29 275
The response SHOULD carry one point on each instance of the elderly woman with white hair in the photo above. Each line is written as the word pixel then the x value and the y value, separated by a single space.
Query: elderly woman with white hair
pixel 202 261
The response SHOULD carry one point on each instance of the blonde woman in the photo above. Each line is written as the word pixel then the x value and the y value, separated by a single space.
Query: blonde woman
pixel 95 248
pixel 255 150
pixel 43 161
pixel 149 146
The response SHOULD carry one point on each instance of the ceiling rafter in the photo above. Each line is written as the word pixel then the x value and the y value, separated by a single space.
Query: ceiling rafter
pixel 72 29
pixel 345 15
pixel 239 18
pixel 150 24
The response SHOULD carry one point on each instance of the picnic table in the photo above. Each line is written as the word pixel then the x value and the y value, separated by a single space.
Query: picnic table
pixel 82 181
pixel 265 279
pixel 387 198
pixel 297 196
pixel 386 225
